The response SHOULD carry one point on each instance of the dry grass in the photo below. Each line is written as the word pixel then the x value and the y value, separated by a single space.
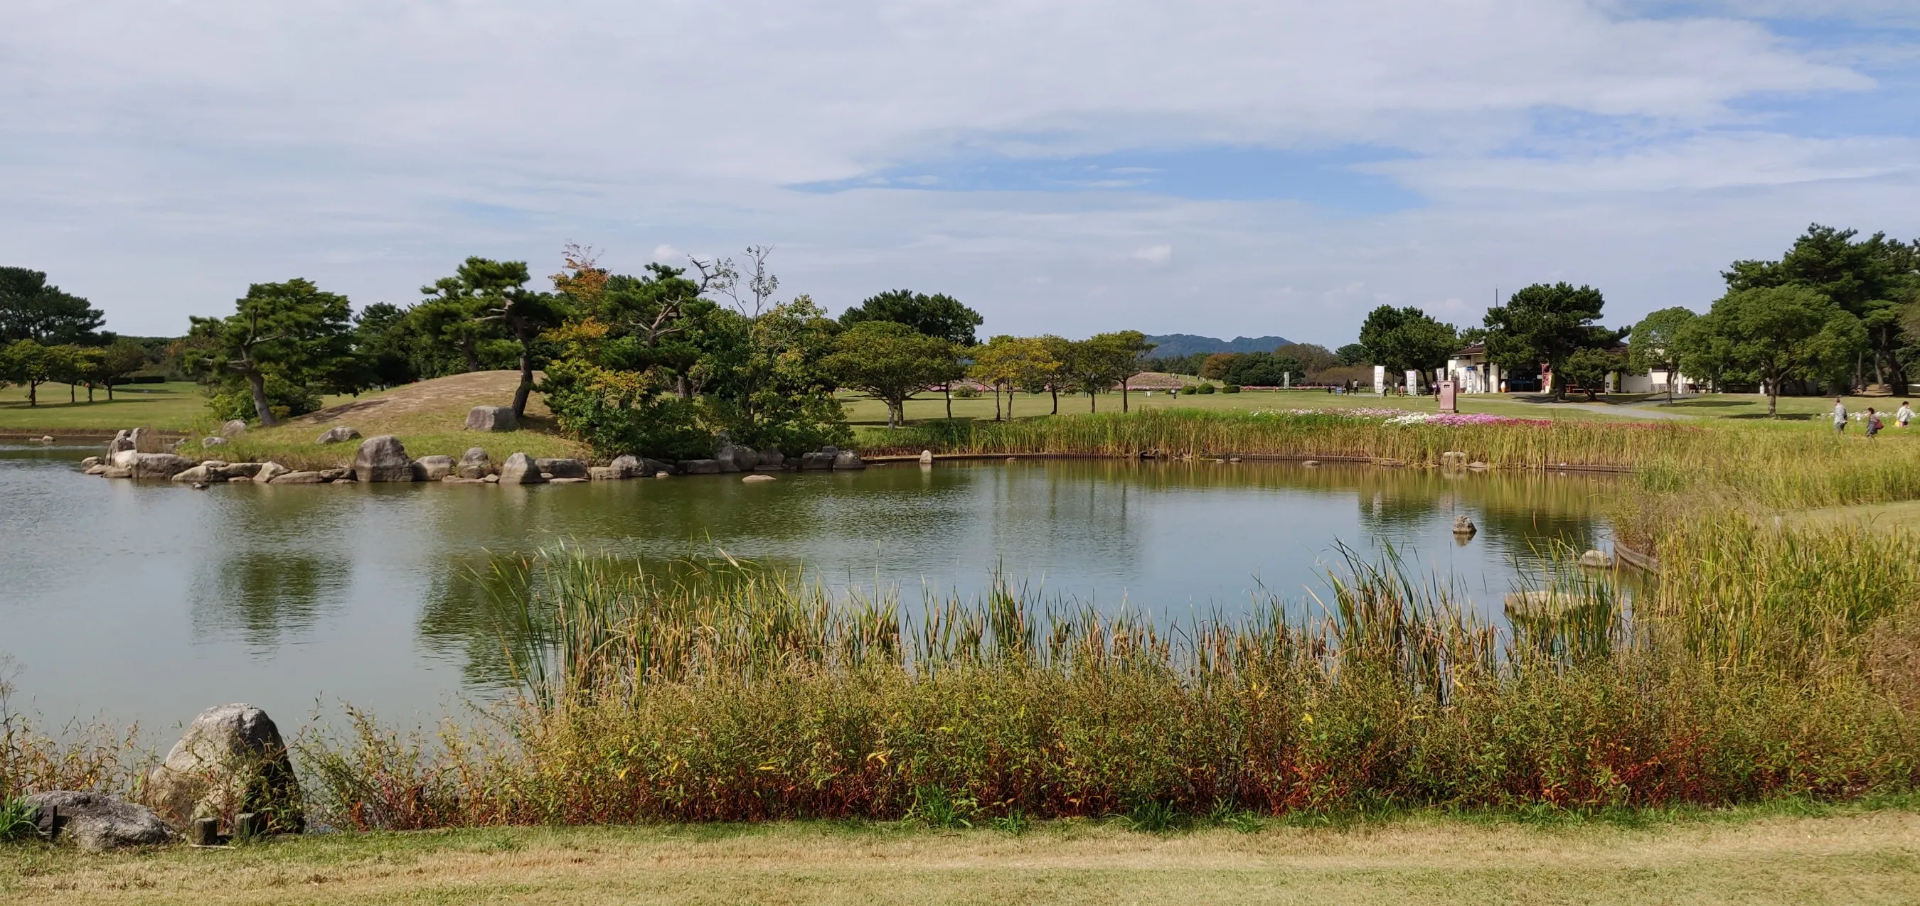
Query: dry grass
pixel 1871 857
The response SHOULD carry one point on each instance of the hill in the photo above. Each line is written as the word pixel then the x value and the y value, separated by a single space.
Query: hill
pixel 1174 345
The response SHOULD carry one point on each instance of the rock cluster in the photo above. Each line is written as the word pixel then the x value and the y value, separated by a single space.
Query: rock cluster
pixel 96 821
pixel 231 760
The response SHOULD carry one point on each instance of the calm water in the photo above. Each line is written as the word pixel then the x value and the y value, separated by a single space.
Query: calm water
pixel 153 601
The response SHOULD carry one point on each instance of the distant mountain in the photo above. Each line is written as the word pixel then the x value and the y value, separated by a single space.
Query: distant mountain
pixel 1181 344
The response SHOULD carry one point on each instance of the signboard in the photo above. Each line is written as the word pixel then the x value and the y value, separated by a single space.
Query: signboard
pixel 1413 381
pixel 1446 398
pixel 1379 380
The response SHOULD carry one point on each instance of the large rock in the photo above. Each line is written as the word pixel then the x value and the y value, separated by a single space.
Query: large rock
pixel 115 471
pixel 700 466
pixel 232 427
pixel 300 478
pixel 432 468
pixel 627 467
pixel 159 465
pixel 239 470
pixel 382 458
pixel 122 442
pixel 230 760
pixel 212 441
pixel 96 821
pixel 1596 560
pixel 562 468
pixel 817 461
pixel 199 473
pixel 492 418
pixel 847 460
pixel 337 434
pixel 475 464
pixel 269 471
pixel 89 462
pixel 520 469
pixel 771 458
pixel 735 458
pixel 145 440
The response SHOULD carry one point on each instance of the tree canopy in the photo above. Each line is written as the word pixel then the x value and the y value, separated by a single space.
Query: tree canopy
pixel 1546 323
pixel 293 332
pixel 890 361
pixel 33 309
pixel 1407 339
pixel 1776 333
pixel 938 315
pixel 1655 342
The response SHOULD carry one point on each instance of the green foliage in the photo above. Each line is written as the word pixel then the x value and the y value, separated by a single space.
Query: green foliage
pixel 938 315
pixel 1354 354
pixel 1407 339
pixel 891 361
pixel 1656 342
pixel 618 413
pixel 1588 368
pixel 32 363
pixel 965 392
pixel 1230 388
pixel 1546 323
pixel 1778 334
pixel 16 821
pixel 233 398
pixel 32 309
pixel 1257 369
pixel 292 331
pixel 1204 389
pixel 1876 280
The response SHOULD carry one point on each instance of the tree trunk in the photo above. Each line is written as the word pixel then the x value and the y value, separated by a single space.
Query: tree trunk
pixel 1056 398
pixel 89 391
pixel 525 389
pixel 946 390
pixel 473 360
pixel 1773 395
pixel 1123 395
pixel 1093 401
pixel 996 401
pixel 257 382
pixel 33 393
pixel 1009 404
pixel 73 393
pixel 109 390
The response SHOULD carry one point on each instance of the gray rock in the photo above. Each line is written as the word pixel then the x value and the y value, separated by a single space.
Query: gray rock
pixel 89 462
pixel 700 466
pixel 159 465
pixel 145 440
pixel 757 478
pixel 382 458
pixel 299 478
pixel 656 466
pixel 663 474
pixel 830 451
pixel 230 760
pixel 269 471
pixel 1464 526
pixel 491 479
pixel 817 461
pixel 520 469
pixel 432 468
pixel 926 457
pixel 337 434
pixel 96 469
pixel 124 459
pixel 1596 560
pixel 117 472
pixel 122 442
pixel 1478 466
pixel 771 458
pixel 232 427
pixel 605 473
pixel 474 464
pixel 492 418
pixel 626 467
pixel 199 473
pixel 847 460
pixel 567 481
pixel 735 458
pixel 96 821
pixel 562 468
pixel 240 470
pixel 336 474
pixel 212 441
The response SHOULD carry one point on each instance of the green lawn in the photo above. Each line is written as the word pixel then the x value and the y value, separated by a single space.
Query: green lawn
pixel 1791 408
pixel 1861 857
pixel 862 410
pixel 173 406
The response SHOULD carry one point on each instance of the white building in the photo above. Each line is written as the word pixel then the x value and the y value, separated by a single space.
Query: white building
pixel 1472 373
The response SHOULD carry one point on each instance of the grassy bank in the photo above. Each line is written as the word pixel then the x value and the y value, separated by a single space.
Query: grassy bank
pixel 1836 856
pixel 168 407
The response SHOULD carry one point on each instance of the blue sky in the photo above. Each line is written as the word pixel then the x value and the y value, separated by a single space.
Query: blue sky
pixel 1229 167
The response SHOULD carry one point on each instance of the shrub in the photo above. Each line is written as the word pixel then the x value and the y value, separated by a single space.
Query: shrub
pixel 234 399
pixel 1204 389
pixel 1230 388
pixel 966 392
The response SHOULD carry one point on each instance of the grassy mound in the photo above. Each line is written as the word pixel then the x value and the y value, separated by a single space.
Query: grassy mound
pixel 429 417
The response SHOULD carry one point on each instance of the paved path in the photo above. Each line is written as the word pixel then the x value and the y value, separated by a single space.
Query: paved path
pixel 1635 410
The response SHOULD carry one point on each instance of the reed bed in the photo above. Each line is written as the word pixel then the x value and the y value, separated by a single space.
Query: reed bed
pixel 727 692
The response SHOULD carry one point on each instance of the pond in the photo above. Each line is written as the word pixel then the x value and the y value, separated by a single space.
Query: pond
pixel 152 601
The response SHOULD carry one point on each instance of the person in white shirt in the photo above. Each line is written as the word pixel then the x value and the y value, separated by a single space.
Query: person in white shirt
pixel 1839 416
pixel 1903 416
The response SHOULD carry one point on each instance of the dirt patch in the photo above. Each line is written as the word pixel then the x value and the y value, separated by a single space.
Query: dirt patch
pixel 455 393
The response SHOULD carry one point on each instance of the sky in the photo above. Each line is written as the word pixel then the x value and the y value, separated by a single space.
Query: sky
pixel 1221 167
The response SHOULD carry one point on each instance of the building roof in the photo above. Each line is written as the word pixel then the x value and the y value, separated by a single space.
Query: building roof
pixel 1473 349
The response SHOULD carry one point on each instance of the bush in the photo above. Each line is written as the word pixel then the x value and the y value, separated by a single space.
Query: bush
pixel 966 393
pixel 1230 388
pixel 234 399
pixel 1204 389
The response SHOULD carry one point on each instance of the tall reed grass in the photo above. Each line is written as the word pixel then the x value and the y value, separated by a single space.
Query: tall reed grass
pixel 723 691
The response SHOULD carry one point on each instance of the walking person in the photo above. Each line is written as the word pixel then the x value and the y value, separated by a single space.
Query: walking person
pixel 1873 422
pixel 1839 416
pixel 1903 416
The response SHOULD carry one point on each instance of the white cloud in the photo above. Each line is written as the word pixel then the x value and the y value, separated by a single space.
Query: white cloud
pixel 1153 254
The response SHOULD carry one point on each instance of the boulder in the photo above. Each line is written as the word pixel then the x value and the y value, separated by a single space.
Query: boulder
pixel 199 473
pixel 755 479
pixel 627 467
pixel 145 440
pixel 656 466
pixel 566 480
pixel 432 468
pixel 96 821
pixel 1453 459
pixel 491 479
pixel 520 469
pixel 492 418
pixel 1464 526
pixel 96 470
pixel 241 470
pixel 337 434
pixel 268 471
pixel 212 441
pixel 847 460
pixel 382 458
pixel 116 471
pixel 663 474
pixel 562 468
pixel 230 760
pixel 700 466
pixel 771 458
pixel 159 465
pixel 121 442
pixel 735 458
pixel 89 462
pixel 1477 466
pixel 604 473
pixel 926 457
pixel 336 474
pixel 299 478
pixel 124 459
pixel 474 464
pixel 232 427
pixel 817 461
pixel 1596 560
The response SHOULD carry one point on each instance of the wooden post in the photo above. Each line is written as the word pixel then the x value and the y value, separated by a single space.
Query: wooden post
pixel 206 832
pixel 249 826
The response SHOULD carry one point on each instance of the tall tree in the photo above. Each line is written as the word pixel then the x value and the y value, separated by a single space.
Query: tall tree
pixel 1354 354
pixel 32 309
pixel 938 315
pixel 1779 333
pixel 292 330
pixel 1875 279
pixel 1313 357
pixel 891 361
pixel 1407 339
pixel 1655 344
pixel 33 363
pixel 1013 363
pixel 1544 324
pixel 488 292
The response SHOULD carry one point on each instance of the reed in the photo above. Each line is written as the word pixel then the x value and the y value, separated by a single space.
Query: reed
pixel 721 691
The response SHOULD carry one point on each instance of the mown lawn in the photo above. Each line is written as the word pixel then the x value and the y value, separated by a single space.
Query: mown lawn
pixel 173 406
pixel 1853 857
pixel 862 410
